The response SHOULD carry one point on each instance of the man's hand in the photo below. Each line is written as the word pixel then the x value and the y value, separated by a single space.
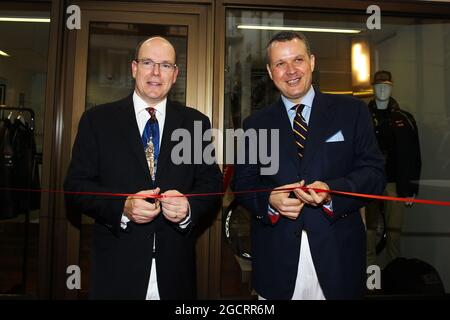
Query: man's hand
pixel 311 197
pixel 175 209
pixel 138 210
pixel 288 207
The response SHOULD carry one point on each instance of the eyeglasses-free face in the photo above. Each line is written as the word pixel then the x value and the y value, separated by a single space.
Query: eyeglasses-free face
pixel 290 67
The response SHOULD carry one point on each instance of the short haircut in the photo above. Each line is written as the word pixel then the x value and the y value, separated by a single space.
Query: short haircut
pixel 288 36
pixel 138 48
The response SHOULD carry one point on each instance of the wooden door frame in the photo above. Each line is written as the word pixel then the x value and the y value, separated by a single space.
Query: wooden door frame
pixel 198 94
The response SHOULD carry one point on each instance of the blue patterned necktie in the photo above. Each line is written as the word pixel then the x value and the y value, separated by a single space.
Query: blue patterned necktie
pixel 150 141
pixel 300 128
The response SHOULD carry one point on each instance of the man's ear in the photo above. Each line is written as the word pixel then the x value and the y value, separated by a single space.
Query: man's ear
pixel 269 71
pixel 312 58
pixel 175 75
pixel 134 69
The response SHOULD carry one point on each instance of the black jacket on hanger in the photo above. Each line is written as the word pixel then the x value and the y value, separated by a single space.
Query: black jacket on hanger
pixel 26 175
pixel 18 169
pixel 7 207
pixel 398 137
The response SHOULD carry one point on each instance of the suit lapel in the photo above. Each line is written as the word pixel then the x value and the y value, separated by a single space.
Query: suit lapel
pixel 126 119
pixel 287 140
pixel 320 119
pixel 174 119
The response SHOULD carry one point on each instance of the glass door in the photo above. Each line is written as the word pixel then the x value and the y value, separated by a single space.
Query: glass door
pixel 24 43
pixel 105 47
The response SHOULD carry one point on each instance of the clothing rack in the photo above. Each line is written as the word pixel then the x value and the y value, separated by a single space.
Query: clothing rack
pixel 20 109
pixel 21 287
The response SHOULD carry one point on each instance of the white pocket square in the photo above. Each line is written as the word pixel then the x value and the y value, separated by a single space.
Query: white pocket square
pixel 337 137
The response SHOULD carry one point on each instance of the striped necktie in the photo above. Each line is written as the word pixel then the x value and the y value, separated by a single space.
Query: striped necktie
pixel 300 128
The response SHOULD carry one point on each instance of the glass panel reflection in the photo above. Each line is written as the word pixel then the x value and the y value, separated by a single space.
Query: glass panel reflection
pixel 23 74
pixel 415 51
pixel 109 78
pixel 111 50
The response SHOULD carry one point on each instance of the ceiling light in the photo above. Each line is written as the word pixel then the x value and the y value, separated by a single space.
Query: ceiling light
pixel 362 93
pixel 4 54
pixel 360 58
pixel 304 29
pixel 21 19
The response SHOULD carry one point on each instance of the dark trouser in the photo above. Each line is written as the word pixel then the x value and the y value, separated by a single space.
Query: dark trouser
pixel 393 212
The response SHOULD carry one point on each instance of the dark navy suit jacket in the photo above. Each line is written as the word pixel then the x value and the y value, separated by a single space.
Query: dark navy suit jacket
pixel 108 157
pixel 337 242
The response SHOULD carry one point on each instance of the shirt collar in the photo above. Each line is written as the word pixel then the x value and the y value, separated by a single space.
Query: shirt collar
pixel 307 100
pixel 140 105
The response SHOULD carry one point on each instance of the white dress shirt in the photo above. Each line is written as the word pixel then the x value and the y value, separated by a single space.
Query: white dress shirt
pixel 307 285
pixel 142 116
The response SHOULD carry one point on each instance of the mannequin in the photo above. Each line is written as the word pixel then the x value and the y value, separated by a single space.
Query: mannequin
pixel 382 94
pixel 397 135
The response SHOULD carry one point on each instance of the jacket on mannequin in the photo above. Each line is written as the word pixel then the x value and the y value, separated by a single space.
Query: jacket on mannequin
pixel 397 135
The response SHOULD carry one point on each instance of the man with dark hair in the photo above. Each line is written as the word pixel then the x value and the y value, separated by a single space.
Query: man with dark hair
pixel 309 244
pixel 142 249
pixel 288 36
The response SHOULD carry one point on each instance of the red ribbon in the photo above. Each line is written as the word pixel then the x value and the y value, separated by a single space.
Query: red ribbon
pixel 159 196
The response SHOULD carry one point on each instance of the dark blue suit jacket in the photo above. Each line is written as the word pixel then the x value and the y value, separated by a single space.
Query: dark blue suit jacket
pixel 108 157
pixel 338 242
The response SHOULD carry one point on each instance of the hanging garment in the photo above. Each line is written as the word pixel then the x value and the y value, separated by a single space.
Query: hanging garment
pixel 18 169
pixel 7 202
pixel 24 170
